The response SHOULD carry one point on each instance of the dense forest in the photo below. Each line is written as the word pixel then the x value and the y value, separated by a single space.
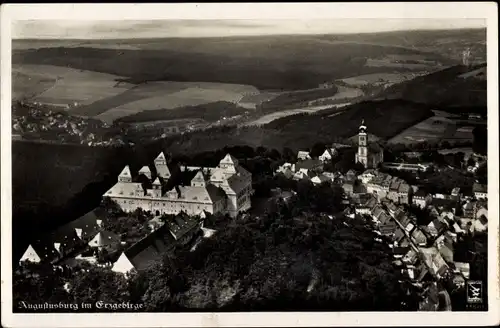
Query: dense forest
pixel 268 63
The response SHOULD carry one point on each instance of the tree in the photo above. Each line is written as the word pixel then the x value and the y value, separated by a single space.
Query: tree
pixel 98 284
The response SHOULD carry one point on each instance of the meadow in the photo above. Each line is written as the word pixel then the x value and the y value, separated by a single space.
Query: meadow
pixel 69 85
pixel 432 129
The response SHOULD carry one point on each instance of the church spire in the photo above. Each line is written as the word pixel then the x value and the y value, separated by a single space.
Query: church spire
pixel 362 127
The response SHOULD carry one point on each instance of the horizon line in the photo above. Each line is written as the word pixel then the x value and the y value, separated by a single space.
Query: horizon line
pixel 61 38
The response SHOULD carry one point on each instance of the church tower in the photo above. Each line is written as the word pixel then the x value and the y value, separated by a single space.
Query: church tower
pixel 362 154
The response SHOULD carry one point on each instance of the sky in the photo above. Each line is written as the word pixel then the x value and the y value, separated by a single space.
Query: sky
pixel 85 29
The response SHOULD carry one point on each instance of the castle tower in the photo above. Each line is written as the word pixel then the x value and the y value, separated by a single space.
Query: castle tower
pixel 162 167
pixel 228 164
pixel 362 154
pixel 125 175
pixel 157 188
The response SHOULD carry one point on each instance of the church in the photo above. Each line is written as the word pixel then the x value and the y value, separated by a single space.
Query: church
pixel 370 154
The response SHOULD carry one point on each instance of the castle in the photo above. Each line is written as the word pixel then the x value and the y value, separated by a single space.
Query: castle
pixel 370 154
pixel 225 189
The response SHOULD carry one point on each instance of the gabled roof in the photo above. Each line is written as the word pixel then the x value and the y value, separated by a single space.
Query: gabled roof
pixel 44 249
pixel 126 172
pixel 157 182
pixel 161 157
pixel 216 194
pixel 199 177
pixel 87 223
pixel 483 219
pixel 229 159
pixel 481 188
pixel 181 225
pixel 196 194
pixel 150 248
pixel 125 189
pixel 145 170
pixel 104 238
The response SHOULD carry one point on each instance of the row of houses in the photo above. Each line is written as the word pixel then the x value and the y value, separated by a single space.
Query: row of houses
pixel 425 253
pixel 81 239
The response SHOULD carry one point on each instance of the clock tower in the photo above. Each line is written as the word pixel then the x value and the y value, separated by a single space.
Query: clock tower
pixel 362 154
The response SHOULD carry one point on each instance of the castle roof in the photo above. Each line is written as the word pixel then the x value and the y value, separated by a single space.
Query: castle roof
pixel 125 189
pixel 160 157
pixel 126 172
pixel 229 159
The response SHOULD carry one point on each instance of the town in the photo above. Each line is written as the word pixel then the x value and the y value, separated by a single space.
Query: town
pixel 432 237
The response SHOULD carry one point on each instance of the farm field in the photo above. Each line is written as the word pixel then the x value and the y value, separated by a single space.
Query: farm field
pixel 68 86
pixel 26 86
pixel 171 95
pixel 391 78
pixel 432 129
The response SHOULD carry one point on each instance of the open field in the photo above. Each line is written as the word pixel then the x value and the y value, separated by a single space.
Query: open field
pixel 170 95
pixel 69 86
pixel 26 86
pixel 432 129
pixel 384 78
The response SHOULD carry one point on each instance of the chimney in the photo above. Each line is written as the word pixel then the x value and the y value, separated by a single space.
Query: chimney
pixel 78 232
pixel 99 222
pixel 57 246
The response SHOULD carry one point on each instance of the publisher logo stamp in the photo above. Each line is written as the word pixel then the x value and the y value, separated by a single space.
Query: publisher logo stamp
pixel 474 291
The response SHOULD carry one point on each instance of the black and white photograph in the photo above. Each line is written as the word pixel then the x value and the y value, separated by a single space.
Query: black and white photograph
pixel 240 160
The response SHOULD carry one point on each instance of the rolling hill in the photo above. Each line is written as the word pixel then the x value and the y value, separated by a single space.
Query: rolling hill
pixel 451 87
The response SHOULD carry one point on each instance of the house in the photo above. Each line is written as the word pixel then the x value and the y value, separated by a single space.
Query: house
pixel 145 252
pixel 445 246
pixel 183 228
pixel 446 203
pixel 469 209
pixel 319 179
pixel 367 175
pixel 399 252
pixel 330 175
pixel 419 237
pixel 376 212
pixel 302 175
pixel 410 257
pixel 481 209
pixel 398 236
pixel 435 263
pixel 421 199
pixel 155 223
pixel 481 224
pixel 313 165
pixel 455 192
pixel 286 167
pixel 104 239
pixel 40 251
pixel 436 227
pixel 367 206
pixel 480 191
pixel 327 155
pixel 303 155
pixel 463 268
